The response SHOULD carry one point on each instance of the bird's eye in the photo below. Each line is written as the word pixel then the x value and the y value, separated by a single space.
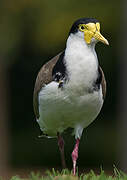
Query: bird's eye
pixel 82 27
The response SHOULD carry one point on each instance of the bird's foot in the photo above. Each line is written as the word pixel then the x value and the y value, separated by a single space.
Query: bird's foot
pixel 75 156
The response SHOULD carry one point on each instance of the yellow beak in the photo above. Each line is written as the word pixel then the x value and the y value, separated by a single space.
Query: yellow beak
pixel 101 38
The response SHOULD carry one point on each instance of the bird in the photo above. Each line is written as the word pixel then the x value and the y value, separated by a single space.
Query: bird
pixel 70 88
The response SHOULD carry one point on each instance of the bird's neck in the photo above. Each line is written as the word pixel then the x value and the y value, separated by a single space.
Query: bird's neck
pixel 81 61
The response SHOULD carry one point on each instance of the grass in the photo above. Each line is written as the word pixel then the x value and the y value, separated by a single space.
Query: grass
pixel 67 175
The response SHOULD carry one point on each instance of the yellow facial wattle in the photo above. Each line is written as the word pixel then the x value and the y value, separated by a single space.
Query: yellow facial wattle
pixel 92 30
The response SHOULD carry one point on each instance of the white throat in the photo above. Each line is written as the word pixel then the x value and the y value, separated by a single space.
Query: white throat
pixel 81 61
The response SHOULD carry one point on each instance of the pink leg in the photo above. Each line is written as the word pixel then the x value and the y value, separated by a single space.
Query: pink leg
pixel 61 148
pixel 75 155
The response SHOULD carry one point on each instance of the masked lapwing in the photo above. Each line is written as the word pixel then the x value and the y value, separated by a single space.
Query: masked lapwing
pixel 70 89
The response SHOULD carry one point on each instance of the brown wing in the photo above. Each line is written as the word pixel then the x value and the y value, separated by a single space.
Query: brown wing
pixel 103 83
pixel 44 77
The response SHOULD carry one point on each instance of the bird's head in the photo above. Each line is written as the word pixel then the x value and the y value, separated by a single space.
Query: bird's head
pixel 89 30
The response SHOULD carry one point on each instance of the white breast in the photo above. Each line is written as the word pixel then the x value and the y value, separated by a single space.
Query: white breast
pixel 81 62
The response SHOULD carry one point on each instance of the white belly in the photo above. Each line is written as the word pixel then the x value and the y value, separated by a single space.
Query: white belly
pixel 60 109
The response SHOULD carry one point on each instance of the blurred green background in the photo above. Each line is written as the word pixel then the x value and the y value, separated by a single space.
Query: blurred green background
pixel 32 32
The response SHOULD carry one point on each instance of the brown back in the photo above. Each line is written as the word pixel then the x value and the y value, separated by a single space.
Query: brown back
pixel 103 83
pixel 44 77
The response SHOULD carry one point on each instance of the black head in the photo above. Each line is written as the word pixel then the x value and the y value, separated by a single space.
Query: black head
pixel 75 27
